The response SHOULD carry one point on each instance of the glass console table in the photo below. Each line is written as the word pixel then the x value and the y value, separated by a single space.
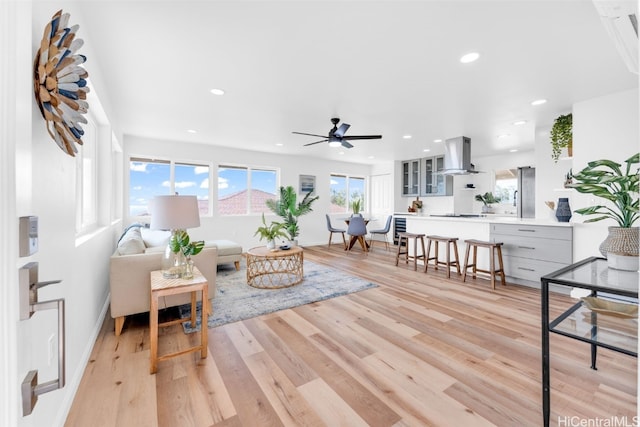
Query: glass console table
pixel 617 333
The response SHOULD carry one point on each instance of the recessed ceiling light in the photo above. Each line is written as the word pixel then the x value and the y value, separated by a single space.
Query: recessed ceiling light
pixel 437 141
pixel 217 91
pixel 371 157
pixel 503 135
pixel 519 122
pixel 406 136
pixel 469 57
pixel 340 152
pixel 279 144
pixel 192 131
pixel 538 102
pixel 513 150
pixel 426 150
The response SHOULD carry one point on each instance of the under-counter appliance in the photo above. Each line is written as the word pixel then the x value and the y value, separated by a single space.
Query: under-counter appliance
pixel 526 193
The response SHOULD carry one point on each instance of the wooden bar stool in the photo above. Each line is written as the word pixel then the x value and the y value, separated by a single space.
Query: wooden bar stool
pixel 406 237
pixel 493 248
pixel 449 241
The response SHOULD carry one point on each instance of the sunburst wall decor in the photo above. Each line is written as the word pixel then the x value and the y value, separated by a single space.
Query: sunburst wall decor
pixel 60 83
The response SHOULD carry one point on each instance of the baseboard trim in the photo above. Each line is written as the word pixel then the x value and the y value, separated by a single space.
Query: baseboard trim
pixel 79 372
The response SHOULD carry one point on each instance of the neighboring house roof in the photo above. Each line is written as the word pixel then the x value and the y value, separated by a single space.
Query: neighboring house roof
pixel 236 203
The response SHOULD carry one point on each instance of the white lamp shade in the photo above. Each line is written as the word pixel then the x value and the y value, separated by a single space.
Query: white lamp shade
pixel 174 212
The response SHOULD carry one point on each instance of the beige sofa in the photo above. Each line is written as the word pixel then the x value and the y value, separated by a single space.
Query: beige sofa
pixel 129 278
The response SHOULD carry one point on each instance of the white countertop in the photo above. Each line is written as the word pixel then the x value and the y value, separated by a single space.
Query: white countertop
pixel 493 220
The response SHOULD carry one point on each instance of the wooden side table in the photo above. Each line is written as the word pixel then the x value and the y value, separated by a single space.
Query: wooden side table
pixel 161 287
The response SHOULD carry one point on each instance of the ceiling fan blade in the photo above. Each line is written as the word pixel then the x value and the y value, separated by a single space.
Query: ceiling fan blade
pixel 317 142
pixel 341 130
pixel 345 144
pixel 310 134
pixel 362 137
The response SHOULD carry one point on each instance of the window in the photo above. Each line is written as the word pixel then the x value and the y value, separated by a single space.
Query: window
pixel 86 179
pixel 506 185
pixel 344 191
pixel 117 176
pixel 147 178
pixel 244 190
pixel 193 180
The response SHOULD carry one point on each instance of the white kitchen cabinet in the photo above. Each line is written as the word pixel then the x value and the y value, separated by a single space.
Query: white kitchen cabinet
pixel 532 251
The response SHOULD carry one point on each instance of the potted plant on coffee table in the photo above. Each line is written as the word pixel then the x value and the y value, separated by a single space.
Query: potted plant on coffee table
pixel 270 232
pixel 289 209
pixel 609 180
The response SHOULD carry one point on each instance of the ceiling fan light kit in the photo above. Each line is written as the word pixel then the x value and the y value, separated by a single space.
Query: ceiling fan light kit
pixel 337 137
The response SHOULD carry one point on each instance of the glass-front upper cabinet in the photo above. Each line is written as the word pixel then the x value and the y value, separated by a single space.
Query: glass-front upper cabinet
pixel 411 177
pixel 435 182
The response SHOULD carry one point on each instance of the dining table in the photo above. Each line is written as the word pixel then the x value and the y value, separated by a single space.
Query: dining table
pixel 354 239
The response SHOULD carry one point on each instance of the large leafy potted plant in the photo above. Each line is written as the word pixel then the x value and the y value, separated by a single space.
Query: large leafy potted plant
pixel 561 136
pixel 289 209
pixel 609 180
pixel 270 232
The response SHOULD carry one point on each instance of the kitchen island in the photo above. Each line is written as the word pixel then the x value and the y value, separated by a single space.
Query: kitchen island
pixel 532 247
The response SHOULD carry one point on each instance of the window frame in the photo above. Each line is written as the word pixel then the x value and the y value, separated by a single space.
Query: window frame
pixel 171 189
pixel 348 201
pixel 87 217
pixel 249 169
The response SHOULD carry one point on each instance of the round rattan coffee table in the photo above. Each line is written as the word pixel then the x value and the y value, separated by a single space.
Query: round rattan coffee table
pixel 274 269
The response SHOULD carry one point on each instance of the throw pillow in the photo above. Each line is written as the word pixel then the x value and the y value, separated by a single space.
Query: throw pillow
pixel 131 242
pixel 153 238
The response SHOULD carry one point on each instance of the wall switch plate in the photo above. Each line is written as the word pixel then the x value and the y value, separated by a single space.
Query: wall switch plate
pixel 28 235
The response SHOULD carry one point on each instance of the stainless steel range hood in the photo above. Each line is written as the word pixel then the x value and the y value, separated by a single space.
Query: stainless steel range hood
pixel 457 156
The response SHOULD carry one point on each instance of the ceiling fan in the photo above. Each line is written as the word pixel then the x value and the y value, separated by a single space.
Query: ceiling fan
pixel 336 137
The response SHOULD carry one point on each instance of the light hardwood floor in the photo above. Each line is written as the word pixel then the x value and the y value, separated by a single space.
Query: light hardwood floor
pixel 419 350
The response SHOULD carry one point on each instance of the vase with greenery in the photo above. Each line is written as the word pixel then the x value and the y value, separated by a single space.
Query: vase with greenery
pixel 561 136
pixel 487 199
pixel 356 205
pixel 289 209
pixel 180 243
pixel 618 185
pixel 271 232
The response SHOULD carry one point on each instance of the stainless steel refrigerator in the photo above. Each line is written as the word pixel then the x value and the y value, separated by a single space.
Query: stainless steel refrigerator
pixel 526 196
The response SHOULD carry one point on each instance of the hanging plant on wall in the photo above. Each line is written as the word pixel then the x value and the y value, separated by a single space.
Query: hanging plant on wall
pixel 60 83
pixel 562 136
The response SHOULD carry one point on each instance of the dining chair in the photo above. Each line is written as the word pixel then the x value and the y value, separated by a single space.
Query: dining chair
pixel 357 229
pixel 332 230
pixel 382 231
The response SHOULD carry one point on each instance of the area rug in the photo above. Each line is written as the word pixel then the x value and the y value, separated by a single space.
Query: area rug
pixel 235 300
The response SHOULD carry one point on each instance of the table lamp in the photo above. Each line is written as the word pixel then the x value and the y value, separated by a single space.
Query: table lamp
pixel 174 213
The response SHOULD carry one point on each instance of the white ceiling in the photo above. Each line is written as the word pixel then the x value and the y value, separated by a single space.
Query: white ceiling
pixel 385 67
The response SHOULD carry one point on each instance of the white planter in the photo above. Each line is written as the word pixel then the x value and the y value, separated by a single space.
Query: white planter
pixel 623 262
pixel 271 244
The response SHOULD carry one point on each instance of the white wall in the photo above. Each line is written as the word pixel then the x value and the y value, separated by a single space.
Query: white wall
pixel 603 128
pixel 241 228
pixel 39 179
